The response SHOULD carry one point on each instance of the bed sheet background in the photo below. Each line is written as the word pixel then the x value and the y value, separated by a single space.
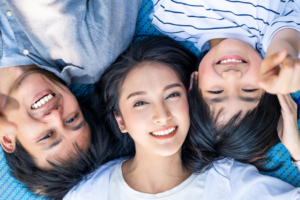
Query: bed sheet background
pixel 12 189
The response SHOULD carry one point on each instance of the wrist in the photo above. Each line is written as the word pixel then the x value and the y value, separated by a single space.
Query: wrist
pixel 295 152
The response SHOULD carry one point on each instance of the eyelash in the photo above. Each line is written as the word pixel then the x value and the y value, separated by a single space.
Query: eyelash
pixel 173 95
pixel 252 90
pixel 140 103
pixel 47 136
pixel 216 92
pixel 72 119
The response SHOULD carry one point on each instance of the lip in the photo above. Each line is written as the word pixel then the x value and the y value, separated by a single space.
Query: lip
pixel 40 112
pixel 163 137
pixel 40 95
pixel 230 57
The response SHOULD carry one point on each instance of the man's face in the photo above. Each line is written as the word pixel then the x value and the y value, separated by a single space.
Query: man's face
pixel 48 118
pixel 228 78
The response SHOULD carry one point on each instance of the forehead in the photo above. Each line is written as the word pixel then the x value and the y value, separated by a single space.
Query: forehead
pixel 149 75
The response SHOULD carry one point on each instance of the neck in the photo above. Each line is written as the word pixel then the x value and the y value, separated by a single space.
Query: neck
pixel 215 42
pixel 8 75
pixel 152 174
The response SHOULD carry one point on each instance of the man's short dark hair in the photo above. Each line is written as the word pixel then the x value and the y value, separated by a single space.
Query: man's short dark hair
pixel 56 183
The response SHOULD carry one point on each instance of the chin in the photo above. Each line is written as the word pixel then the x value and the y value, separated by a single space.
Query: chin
pixel 170 151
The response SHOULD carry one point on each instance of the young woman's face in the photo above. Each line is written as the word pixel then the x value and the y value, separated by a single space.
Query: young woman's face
pixel 228 78
pixel 154 108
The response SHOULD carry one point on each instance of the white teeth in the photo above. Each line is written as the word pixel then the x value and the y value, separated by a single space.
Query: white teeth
pixel 166 132
pixel 231 60
pixel 42 101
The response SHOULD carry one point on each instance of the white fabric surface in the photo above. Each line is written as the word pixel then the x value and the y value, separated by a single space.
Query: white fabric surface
pixel 226 180
pixel 191 188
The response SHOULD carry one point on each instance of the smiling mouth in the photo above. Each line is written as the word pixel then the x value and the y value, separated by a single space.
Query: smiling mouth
pixel 231 61
pixel 43 101
pixel 165 133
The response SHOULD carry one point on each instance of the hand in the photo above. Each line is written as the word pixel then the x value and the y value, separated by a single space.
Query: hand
pixel 6 104
pixel 288 127
pixel 280 74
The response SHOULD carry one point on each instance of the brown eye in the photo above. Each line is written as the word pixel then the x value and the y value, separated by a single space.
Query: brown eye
pixel 173 95
pixel 140 103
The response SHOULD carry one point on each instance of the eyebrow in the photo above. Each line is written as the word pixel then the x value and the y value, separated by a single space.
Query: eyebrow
pixel 249 99
pixel 217 100
pixel 166 88
pixel 54 144
pixel 76 128
pixel 245 99
pixel 136 93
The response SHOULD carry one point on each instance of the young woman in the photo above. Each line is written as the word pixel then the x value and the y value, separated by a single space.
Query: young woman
pixel 145 92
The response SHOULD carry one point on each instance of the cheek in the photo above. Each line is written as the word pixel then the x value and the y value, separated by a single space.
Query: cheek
pixel 84 138
pixel 181 113
pixel 252 73
pixel 255 61
pixel 207 75
pixel 70 104
pixel 136 121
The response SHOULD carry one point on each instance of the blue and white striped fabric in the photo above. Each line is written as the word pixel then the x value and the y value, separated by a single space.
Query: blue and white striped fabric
pixel 252 21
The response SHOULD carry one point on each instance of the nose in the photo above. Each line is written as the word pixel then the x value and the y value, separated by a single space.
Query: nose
pixel 55 116
pixel 232 74
pixel 161 114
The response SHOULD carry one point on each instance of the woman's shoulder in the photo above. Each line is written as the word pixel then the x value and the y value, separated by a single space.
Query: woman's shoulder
pixel 95 184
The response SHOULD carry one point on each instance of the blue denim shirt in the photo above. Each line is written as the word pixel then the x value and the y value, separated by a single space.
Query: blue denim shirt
pixel 76 40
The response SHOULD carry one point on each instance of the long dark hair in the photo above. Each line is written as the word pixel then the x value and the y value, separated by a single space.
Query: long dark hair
pixel 246 139
pixel 64 175
pixel 153 49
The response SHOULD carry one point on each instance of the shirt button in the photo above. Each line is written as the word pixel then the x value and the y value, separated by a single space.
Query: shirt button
pixel 9 13
pixel 26 52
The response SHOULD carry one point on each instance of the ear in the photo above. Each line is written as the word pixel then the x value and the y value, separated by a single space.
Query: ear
pixel 194 76
pixel 121 123
pixel 8 143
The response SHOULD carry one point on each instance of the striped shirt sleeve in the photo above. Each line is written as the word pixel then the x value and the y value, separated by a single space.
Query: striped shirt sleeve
pixel 289 18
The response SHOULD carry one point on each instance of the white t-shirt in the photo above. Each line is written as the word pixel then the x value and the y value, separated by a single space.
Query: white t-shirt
pixel 191 188
pixel 252 21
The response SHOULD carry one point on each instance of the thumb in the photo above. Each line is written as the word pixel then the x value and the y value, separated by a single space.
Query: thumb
pixel 3 99
pixel 268 84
